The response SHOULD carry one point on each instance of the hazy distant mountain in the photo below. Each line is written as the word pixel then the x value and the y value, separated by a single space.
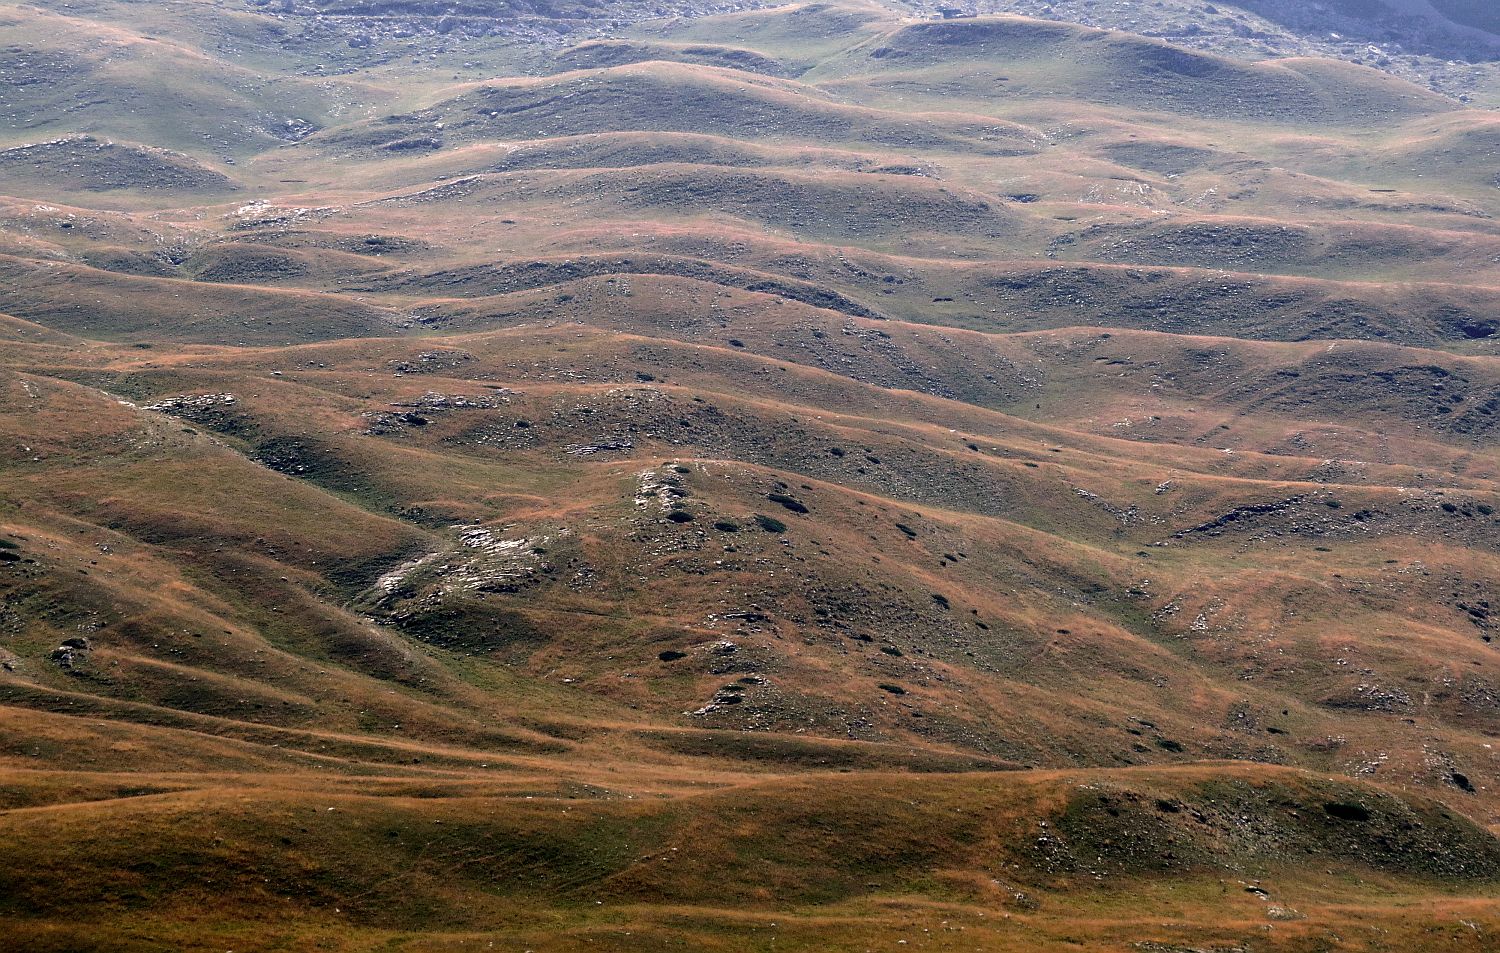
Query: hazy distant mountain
pixel 1440 27
pixel 1448 45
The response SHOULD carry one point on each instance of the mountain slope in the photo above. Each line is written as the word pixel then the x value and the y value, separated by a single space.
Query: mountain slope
pixel 783 478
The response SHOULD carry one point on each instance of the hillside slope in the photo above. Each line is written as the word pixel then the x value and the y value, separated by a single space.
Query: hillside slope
pixel 782 478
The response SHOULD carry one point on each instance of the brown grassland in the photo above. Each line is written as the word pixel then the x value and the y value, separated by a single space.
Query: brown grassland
pixel 795 479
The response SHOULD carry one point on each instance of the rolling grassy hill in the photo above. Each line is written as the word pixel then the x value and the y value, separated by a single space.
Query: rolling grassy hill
pixel 791 478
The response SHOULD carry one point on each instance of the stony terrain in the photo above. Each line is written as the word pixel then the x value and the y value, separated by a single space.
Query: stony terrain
pixel 644 476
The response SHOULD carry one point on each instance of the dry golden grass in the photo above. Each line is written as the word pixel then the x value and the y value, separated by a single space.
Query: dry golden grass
pixel 800 479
